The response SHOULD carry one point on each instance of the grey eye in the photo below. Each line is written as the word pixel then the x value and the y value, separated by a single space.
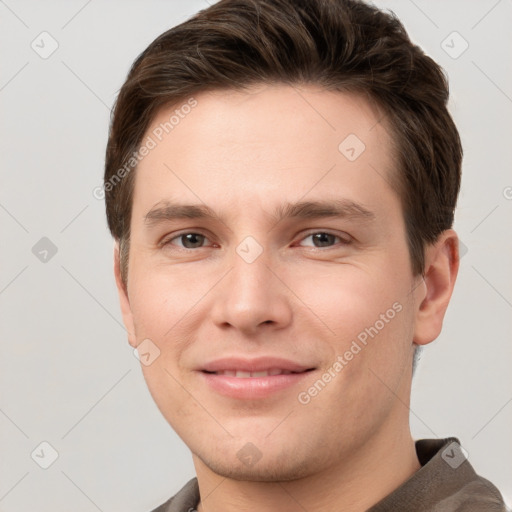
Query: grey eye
pixel 320 239
pixel 191 240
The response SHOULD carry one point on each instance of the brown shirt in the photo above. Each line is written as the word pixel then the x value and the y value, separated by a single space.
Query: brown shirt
pixel 446 482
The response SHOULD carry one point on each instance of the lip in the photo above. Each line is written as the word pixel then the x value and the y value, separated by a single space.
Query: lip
pixel 252 387
pixel 258 364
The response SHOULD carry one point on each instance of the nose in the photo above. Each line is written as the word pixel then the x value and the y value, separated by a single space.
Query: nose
pixel 252 298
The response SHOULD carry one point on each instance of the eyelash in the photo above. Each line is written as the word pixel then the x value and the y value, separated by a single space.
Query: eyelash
pixel 168 241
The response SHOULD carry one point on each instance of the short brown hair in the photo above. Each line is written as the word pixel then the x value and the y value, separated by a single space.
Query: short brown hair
pixel 341 45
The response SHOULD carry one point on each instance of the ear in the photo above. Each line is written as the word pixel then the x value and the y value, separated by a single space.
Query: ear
pixel 441 268
pixel 123 298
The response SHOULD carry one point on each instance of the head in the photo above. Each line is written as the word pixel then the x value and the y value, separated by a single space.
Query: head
pixel 314 137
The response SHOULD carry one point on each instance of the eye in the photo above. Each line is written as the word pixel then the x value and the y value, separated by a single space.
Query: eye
pixel 187 240
pixel 323 239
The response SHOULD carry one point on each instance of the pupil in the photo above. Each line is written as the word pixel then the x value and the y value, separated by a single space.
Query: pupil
pixel 323 239
pixel 192 240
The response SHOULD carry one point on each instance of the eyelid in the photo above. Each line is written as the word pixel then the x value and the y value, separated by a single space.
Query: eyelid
pixel 166 240
pixel 343 236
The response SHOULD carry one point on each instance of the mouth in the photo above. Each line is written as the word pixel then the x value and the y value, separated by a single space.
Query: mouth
pixel 253 379
pixel 241 374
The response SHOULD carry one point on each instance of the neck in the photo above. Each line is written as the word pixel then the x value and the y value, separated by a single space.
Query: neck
pixel 354 484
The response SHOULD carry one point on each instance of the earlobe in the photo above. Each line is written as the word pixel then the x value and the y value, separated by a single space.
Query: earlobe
pixel 123 297
pixel 441 268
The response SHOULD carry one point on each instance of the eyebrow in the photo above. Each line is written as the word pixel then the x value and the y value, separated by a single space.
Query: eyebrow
pixel 342 208
pixel 166 211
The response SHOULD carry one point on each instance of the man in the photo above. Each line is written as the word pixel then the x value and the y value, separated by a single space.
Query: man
pixel 281 178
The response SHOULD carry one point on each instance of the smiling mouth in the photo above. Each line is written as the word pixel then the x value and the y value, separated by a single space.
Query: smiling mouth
pixel 263 373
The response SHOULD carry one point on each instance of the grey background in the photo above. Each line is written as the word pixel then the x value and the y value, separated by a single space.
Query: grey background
pixel 67 373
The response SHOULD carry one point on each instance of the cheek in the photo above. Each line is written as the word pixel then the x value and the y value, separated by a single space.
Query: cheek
pixel 347 299
pixel 162 308
pixel 160 300
pixel 366 322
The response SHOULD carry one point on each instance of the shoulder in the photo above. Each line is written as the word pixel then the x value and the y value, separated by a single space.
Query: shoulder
pixel 457 485
pixel 185 500
pixel 446 482
pixel 478 495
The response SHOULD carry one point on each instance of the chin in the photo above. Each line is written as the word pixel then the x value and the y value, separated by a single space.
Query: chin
pixel 248 463
pixel 262 471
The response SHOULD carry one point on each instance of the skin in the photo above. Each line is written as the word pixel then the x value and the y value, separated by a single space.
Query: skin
pixel 305 298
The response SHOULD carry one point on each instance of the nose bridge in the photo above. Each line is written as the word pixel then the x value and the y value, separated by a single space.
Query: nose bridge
pixel 252 285
pixel 251 276
pixel 251 295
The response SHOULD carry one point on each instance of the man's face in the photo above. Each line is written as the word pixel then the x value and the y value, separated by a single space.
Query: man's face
pixel 270 283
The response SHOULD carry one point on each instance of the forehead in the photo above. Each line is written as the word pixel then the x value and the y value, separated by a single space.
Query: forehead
pixel 263 143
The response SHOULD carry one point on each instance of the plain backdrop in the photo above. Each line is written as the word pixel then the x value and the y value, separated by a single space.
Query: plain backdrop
pixel 67 374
